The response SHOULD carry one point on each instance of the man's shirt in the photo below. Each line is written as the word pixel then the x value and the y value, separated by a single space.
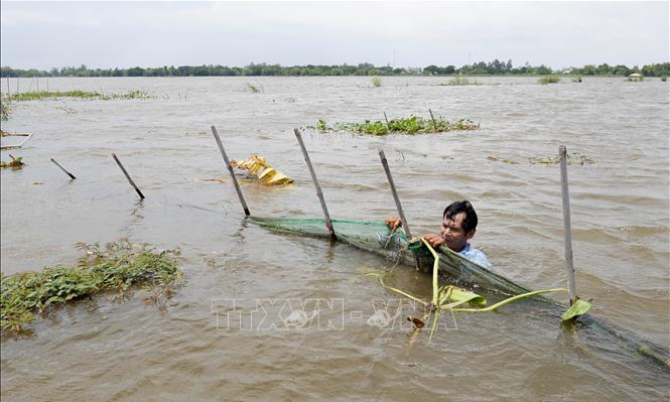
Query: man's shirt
pixel 475 256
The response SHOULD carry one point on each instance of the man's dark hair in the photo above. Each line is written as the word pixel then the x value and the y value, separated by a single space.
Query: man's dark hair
pixel 456 207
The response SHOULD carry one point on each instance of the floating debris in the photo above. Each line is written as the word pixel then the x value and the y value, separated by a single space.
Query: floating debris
pixel 120 266
pixel 496 158
pixel 264 172
pixel 15 163
pixel 572 158
pixel 411 125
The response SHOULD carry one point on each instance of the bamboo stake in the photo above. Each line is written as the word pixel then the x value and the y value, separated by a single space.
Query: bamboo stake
pixel 8 91
pixel 395 193
pixel 63 169
pixel 319 193
pixel 230 169
pixel 132 183
pixel 567 231
pixel 432 117
pixel 387 119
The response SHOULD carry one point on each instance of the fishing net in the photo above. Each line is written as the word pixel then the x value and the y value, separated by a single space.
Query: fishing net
pixel 376 237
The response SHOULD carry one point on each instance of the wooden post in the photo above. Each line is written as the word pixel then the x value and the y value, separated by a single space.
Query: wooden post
pixel 319 193
pixel 230 169
pixel 567 230
pixel 63 169
pixel 395 194
pixel 132 183
pixel 433 118
pixel 8 92
pixel 387 119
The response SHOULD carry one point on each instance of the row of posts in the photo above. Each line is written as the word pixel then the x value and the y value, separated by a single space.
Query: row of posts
pixel 572 290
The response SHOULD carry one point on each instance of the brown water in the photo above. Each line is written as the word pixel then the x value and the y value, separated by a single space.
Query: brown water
pixel 201 347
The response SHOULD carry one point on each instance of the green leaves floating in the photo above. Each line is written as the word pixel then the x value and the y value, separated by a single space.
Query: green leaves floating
pixel 579 307
pixel 411 125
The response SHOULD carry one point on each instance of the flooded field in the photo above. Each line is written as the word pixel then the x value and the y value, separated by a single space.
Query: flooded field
pixel 213 340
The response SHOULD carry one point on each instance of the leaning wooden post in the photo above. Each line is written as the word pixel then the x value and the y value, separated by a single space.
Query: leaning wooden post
pixel 63 169
pixel 132 183
pixel 319 193
pixel 387 119
pixel 395 194
pixel 433 118
pixel 567 231
pixel 230 169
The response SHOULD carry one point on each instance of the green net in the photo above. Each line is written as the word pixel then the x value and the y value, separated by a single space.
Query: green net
pixel 376 237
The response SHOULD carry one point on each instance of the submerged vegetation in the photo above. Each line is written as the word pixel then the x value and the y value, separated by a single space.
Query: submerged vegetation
pixel 572 158
pixel 118 267
pixel 29 96
pixel 411 125
pixel 549 79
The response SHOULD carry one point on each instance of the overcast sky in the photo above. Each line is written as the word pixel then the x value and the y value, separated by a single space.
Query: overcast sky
pixel 149 34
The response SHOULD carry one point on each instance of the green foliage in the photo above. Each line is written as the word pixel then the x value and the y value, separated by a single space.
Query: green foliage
pixel 495 67
pixel 411 125
pixel 120 267
pixel 30 96
pixel 579 307
pixel 376 82
pixel 549 79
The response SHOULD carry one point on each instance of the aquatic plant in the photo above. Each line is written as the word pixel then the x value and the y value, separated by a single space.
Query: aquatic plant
pixel 664 78
pixel 30 96
pixel 376 82
pixel 577 78
pixel 118 267
pixel 411 125
pixel 15 163
pixel 5 107
pixel 459 81
pixel 452 298
pixel 261 168
pixel 253 88
pixel 549 79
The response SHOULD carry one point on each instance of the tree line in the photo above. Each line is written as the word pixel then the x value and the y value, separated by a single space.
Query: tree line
pixel 495 67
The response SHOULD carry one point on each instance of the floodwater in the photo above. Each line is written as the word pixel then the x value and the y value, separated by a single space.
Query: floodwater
pixel 222 335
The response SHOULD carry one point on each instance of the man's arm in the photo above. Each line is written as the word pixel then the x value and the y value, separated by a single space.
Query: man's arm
pixel 394 222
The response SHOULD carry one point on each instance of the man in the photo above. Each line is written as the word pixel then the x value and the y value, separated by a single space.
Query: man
pixel 459 224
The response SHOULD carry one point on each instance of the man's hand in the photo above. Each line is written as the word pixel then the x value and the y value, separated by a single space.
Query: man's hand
pixel 393 222
pixel 434 239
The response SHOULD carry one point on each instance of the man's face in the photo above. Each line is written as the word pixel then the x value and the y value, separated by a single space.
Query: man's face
pixel 453 233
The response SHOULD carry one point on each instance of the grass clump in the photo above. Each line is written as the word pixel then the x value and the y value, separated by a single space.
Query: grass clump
pixel 376 82
pixel 87 95
pixel 459 81
pixel 5 107
pixel 253 88
pixel 411 125
pixel 14 163
pixel 119 267
pixel 549 79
